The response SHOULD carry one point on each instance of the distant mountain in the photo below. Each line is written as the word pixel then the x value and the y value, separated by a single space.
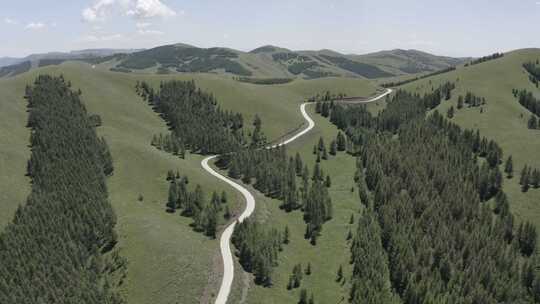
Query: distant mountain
pixel 78 54
pixel 5 61
pixel 409 61
pixel 264 62
pixel 278 62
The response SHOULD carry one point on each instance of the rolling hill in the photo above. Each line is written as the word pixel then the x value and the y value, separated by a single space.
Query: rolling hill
pixel 410 61
pixel 263 62
pixel 502 118
pixel 168 261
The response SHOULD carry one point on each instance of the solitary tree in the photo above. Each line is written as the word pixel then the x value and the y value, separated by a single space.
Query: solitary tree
pixel 339 274
pixel 460 102
pixel 286 235
pixel 509 167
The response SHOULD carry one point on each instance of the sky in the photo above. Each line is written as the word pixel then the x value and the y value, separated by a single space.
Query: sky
pixel 453 28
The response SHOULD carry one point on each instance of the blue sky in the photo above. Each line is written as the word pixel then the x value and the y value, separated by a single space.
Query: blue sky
pixel 455 28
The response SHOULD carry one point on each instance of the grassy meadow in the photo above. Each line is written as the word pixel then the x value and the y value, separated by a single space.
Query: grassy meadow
pixel 168 261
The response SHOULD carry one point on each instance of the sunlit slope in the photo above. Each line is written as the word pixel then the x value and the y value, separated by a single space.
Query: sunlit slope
pixel 502 118
pixel 168 262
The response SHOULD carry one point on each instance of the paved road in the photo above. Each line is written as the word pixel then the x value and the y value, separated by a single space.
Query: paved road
pixel 225 241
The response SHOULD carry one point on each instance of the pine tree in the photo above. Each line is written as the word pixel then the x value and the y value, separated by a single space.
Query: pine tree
pixel 526 237
pixel 450 113
pixel 320 145
pixel 311 299
pixel 533 122
pixel 333 147
pixel 173 196
pixel 298 164
pixel 211 225
pixel 341 143
pixel 325 112
pixel 290 283
pixel 339 276
pixel 351 220
pixel 257 139
pixel 460 102
pixel 215 202
pixel 227 214
pixel 308 268
pixel 535 178
pixel 524 180
pixel 509 167
pixel 303 297
pixel 170 175
pixel 328 182
pixel 286 235
pixel 223 197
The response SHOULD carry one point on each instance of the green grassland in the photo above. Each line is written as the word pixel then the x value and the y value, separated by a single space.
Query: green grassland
pixel 332 249
pixel 503 118
pixel 168 262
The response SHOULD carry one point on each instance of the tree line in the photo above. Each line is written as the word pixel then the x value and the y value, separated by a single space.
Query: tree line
pixel 409 80
pixel 258 248
pixel 287 179
pixel 485 58
pixel 196 120
pixel 429 233
pixel 533 69
pixel 529 177
pixel 199 125
pixel 529 102
pixel 263 81
pixel 59 248
pixel 205 213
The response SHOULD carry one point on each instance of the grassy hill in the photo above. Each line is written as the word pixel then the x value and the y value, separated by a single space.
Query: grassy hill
pixel 168 261
pixel 263 62
pixel 410 61
pixel 502 118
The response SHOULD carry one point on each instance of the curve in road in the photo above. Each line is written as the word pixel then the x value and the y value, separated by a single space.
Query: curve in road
pixel 225 240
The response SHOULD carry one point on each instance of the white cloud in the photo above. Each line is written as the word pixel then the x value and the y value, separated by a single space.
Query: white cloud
pixel 100 38
pixel 35 26
pixel 143 25
pixel 10 21
pixel 98 11
pixel 150 9
pixel 140 9
pixel 149 32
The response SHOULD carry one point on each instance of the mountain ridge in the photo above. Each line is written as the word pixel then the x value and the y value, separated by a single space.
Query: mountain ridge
pixel 267 61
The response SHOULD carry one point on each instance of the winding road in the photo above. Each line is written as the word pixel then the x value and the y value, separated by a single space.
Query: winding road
pixel 225 240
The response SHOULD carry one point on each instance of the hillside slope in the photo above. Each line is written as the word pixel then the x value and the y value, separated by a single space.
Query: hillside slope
pixel 168 261
pixel 502 118
pixel 410 61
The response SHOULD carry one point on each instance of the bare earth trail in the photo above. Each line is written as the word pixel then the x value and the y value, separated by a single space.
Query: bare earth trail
pixel 225 240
